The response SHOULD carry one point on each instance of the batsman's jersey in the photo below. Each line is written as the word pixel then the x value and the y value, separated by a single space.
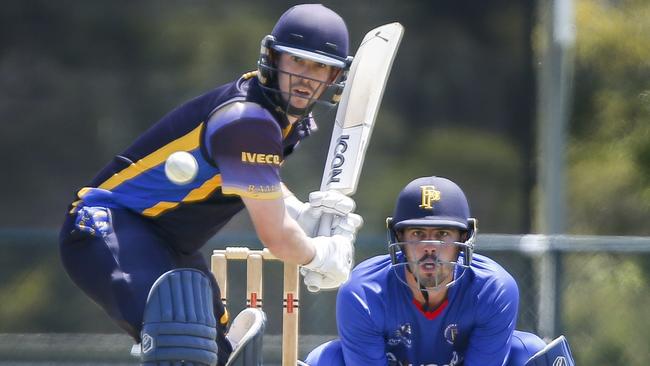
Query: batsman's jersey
pixel 380 323
pixel 239 143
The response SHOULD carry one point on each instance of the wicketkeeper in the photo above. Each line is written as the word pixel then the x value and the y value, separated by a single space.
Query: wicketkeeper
pixel 431 300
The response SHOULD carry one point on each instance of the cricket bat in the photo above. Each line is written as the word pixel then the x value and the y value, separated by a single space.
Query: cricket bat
pixel 355 118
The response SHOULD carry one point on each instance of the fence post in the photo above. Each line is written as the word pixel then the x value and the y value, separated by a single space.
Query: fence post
pixel 553 109
pixel 549 276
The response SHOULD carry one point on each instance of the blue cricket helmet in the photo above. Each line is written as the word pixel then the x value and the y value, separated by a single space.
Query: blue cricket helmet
pixel 431 201
pixel 312 32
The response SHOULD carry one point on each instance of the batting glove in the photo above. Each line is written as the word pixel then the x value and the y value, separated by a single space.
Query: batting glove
pixel 333 260
pixel 308 214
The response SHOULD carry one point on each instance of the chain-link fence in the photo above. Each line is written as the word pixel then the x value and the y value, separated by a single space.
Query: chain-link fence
pixel 594 290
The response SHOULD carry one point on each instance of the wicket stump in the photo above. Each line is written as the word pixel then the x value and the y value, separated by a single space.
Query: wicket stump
pixel 255 295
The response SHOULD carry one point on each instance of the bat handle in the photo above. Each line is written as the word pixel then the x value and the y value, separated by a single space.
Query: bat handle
pixel 313 280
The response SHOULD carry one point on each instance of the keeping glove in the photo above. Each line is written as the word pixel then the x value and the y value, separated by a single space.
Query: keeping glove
pixel 333 260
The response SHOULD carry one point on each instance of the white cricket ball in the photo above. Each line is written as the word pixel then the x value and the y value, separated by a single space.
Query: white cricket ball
pixel 181 167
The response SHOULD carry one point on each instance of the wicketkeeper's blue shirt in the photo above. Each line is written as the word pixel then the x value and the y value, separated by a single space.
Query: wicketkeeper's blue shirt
pixel 380 323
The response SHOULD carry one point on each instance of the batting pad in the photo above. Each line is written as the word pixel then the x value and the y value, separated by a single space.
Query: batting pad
pixel 179 326
pixel 556 353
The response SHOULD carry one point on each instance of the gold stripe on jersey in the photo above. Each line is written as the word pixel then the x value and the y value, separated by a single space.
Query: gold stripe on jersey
pixel 204 190
pixel 197 194
pixel 159 208
pixel 188 142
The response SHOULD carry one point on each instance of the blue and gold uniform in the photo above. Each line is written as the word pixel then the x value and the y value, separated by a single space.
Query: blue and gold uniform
pixel 238 144
pixel 150 225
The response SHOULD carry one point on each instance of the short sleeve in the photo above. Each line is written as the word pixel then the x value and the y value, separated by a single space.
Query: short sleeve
pixel 248 153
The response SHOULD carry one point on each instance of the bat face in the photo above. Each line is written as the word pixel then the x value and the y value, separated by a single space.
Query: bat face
pixel 355 118
pixel 368 76
pixel 358 108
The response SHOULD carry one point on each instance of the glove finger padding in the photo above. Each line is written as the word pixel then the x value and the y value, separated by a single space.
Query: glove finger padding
pixel 333 258
pixel 324 282
pixel 347 226
pixel 308 215
pixel 332 202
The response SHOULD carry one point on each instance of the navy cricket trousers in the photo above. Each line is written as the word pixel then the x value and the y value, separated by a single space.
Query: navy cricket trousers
pixel 117 271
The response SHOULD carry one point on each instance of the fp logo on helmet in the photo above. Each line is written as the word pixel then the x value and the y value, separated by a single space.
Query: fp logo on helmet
pixel 429 195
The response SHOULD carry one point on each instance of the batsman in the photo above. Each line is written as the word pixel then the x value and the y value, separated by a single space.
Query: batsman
pixel 132 235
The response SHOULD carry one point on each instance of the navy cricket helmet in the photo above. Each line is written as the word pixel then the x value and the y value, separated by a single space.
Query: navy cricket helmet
pixel 432 202
pixel 312 32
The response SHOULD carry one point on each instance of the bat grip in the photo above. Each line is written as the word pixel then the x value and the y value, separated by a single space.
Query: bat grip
pixel 313 280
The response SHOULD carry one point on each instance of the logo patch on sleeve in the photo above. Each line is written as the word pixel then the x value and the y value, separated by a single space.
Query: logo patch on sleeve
pixel 259 158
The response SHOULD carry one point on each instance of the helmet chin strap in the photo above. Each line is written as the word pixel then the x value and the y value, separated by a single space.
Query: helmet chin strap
pixel 269 82
pixel 425 294
pixel 289 109
pixel 274 97
pixel 299 113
